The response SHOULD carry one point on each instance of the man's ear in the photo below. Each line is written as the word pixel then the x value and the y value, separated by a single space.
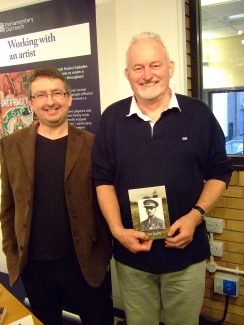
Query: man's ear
pixel 126 72
pixel 30 104
pixel 171 68
pixel 70 100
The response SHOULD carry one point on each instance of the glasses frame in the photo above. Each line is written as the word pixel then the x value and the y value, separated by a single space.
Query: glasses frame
pixel 44 96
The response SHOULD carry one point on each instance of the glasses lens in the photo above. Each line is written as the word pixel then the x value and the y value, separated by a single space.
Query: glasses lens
pixel 56 94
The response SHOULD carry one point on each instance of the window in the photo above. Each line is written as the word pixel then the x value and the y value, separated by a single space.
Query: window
pixel 228 107
pixel 217 36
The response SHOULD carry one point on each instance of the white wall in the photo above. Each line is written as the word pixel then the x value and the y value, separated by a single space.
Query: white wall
pixel 117 22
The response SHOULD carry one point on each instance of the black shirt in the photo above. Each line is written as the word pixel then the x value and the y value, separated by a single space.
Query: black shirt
pixel 51 237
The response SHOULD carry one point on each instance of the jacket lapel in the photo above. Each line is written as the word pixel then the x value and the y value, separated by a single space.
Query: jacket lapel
pixel 27 145
pixel 75 144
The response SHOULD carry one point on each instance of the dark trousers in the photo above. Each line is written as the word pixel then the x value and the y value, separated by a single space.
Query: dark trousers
pixel 53 286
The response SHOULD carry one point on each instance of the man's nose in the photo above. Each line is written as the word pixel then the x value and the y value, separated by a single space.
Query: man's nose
pixel 50 99
pixel 148 73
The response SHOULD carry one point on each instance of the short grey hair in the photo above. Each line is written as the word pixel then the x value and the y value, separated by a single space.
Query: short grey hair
pixel 146 36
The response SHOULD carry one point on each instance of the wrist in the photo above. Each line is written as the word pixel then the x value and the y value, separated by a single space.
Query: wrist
pixel 117 230
pixel 201 212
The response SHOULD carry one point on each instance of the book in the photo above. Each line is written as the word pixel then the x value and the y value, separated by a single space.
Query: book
pixel 3 312
pixel 149 211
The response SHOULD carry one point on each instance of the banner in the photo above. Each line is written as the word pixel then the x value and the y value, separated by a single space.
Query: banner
pixel 60 33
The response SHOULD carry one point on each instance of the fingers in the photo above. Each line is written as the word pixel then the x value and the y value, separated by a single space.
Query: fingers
pixel 135 241
pixel 171 231
pixel 140 235
pixel 177 242
pixel 180 234
pixel 146 244
pixel 181 240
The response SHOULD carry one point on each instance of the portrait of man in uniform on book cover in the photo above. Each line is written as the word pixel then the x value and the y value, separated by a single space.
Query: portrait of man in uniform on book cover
pixel 154 214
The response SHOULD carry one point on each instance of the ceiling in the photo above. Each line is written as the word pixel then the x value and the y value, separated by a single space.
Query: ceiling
pixel 216 22
pixel 215 13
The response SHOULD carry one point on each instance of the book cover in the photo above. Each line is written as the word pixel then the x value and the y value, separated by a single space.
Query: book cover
pixel 149 211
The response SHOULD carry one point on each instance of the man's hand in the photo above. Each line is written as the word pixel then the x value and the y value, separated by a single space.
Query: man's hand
pixel 181 233
pixel 135 241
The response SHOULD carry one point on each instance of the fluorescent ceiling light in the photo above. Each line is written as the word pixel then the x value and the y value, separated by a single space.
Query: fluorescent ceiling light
pixel 214 2
pixel 238 16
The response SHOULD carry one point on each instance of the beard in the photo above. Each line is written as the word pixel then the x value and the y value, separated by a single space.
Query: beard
pixel 149 92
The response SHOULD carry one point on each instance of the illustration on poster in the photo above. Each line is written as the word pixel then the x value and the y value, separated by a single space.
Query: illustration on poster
pixel 15 112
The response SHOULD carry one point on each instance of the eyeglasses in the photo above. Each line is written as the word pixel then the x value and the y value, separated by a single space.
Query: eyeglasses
pixel 56 94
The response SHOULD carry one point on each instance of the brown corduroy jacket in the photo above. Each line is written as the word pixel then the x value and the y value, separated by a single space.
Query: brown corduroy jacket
pixel 91 238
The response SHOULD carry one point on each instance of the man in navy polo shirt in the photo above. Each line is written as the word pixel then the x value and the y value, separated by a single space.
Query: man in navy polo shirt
pixel 159 138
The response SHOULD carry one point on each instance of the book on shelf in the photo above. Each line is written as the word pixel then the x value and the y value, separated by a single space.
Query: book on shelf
pixel 149 211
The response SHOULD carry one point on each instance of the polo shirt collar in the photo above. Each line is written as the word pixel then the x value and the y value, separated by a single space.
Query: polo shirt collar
pixel 134 109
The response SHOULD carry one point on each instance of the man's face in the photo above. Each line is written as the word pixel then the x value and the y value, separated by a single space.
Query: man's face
pixel 50 111
pixel 149 70
pixel 150 210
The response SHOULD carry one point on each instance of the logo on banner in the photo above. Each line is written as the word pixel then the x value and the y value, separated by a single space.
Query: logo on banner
pixel 15 25
pixel 2 27
pixel 17 118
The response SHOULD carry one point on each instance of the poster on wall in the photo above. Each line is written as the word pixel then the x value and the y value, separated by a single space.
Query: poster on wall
pixel 60 33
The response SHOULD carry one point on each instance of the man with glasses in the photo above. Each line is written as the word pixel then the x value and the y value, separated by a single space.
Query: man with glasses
pixel 53 234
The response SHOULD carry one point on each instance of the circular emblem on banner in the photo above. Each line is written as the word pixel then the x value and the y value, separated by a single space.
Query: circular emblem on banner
pixel 17 118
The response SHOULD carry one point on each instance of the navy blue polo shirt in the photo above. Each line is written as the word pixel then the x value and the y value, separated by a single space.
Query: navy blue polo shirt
pixel 186 148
